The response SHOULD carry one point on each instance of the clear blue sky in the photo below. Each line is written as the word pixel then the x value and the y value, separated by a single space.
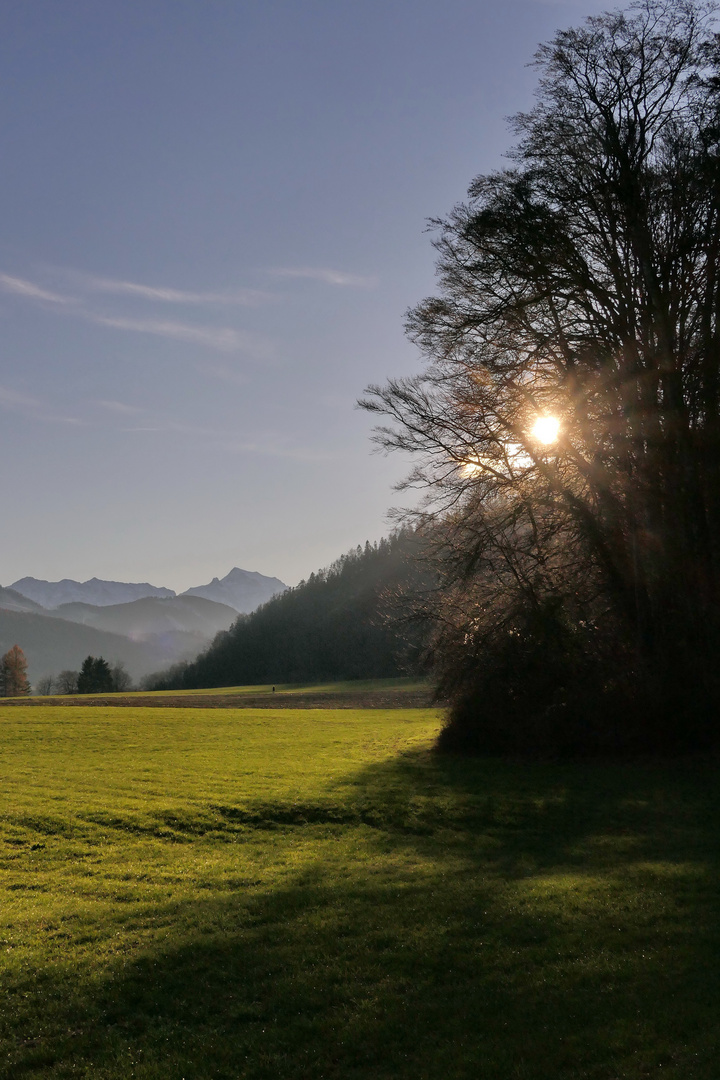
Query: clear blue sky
pixel 213 222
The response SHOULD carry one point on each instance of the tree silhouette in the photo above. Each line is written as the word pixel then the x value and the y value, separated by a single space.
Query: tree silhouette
pixel 66 682
pixel 13 673
pixel 580 298
pixel 95 676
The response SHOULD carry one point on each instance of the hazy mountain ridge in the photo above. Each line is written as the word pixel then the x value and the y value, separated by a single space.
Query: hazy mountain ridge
pixel 142 619
pixel 145 632
pixel 95 591
pixel 51 645
pixel 244 590
pixel 11 600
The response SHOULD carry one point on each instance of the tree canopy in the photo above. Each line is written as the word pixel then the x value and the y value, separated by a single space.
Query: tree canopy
pixel 95 676
pixel 13 673
pixel 566 426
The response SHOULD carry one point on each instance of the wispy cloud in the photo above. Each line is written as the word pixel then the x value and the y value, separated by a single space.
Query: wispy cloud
pixel 119 407
pixel 168 295
pixel 134 420
pixel 28 289
pixel 224 374
pixel 580 5
pixel 16 402
pixel 219 338
pixel 266 446
pixel 326 275
pixel 224 338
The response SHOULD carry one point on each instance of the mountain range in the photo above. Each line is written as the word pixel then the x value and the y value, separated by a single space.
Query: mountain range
pixel 243 590
pixel 146 627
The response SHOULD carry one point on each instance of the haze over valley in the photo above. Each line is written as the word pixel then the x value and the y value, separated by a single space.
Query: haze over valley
pixel 145 627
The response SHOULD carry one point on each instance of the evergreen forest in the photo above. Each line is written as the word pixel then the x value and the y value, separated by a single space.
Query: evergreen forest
pixel 352 620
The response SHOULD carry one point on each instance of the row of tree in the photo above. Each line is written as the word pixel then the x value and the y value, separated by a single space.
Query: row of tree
pixel 345 622
pixel 96 676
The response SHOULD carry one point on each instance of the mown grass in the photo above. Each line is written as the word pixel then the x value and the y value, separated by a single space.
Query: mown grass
pixel 351 687
pixel 354 687
pixel 306 894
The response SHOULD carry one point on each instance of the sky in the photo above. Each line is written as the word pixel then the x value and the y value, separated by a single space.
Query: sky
pixel 214 222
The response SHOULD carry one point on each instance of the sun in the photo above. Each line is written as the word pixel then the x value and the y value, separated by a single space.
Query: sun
pixel 471 467
pixel 546 429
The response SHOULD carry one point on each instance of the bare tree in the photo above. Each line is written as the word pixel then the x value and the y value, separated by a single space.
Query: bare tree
pixel 121 678
pixel 45 685
pixel 67 682
pixel 567 425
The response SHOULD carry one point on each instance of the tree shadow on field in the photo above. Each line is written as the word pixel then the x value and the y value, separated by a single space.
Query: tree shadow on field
pixel 467 919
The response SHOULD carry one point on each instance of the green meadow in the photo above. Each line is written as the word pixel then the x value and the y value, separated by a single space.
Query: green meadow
pixel 198 893
pixel 353 688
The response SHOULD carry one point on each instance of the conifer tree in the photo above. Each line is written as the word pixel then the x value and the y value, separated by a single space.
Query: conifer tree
pixel 95 676
pixel 13 673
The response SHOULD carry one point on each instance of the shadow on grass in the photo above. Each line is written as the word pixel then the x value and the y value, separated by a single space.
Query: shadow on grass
pixel 465 919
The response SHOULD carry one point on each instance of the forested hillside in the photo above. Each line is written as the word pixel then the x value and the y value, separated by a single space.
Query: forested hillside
pixel 51 644
pixel 345 622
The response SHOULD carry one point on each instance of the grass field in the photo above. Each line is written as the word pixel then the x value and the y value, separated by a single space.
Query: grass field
pixel 196 893
pixel 354 687
pixel 359 693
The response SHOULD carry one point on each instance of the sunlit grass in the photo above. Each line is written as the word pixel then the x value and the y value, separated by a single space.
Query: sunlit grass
pixel 258 893
pixel 350 687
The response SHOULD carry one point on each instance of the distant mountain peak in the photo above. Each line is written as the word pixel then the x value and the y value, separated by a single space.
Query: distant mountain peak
pixel 243 590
